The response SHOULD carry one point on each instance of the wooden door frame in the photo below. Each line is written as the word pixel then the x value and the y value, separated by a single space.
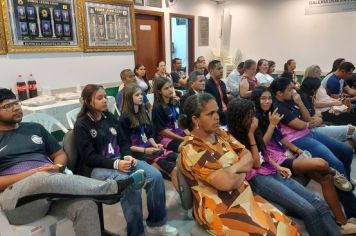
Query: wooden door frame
pixel 163 37
pixel 191 39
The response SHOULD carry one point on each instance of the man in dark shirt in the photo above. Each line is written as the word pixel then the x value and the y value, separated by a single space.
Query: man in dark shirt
pixel 31 162
pixel 178 76
pixel 217 88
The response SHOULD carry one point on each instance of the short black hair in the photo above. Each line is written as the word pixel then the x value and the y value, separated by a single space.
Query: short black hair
pixel 279 85
pixel 212 65
pixel 6 94
pixel 175 60
pixel 241 65
pixel 347 66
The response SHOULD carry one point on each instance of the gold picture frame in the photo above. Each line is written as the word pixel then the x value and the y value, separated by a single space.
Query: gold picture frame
pixel 42 26
pixel 108 25
pixel 2 36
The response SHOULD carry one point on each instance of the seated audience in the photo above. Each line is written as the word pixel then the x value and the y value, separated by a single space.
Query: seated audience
pixel 262 75
pixel 196 84
pixel 136 124
pixel 128 77
pixel 335 84
pixel 233 79
pixel 300 164
pixel 248 80
pixel 31 167
pixel 271 180
pixel 215 165
pixel 296 130
pixel 340 132
pixel 217 88
pixel 104 153
pixel 141 78
pixel 332 110
pixel 178 76
pixel 165 114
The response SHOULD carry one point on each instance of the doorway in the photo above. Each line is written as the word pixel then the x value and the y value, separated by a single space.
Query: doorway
pixel 182 40
pixel 150 40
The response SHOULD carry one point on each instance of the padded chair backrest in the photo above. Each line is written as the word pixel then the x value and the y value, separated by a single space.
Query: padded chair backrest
pixel 72 116
pixel 47 121
pixel 70 149
pixel 184 191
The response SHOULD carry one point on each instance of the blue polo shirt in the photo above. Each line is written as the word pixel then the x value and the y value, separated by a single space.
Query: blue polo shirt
pixel 335 85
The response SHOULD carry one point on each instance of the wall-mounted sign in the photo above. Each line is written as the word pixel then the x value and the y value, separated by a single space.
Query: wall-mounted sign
pixel 145 27
pixel 329 6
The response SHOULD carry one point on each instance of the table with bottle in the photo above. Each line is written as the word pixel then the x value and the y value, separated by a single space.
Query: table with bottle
pixel 59 109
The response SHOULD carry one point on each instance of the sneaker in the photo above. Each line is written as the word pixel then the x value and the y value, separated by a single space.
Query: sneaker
pixel 139 179
pixel 341 182
pixel 164 230
pixel 348 228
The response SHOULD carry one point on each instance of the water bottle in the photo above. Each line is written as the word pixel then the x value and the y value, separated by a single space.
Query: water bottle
pixel 21 88
pixel 32 86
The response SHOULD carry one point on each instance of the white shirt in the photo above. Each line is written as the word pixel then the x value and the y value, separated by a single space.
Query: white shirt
pixel 233 81
pixel 264 78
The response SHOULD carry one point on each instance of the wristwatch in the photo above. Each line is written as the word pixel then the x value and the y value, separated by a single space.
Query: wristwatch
pixel 60 167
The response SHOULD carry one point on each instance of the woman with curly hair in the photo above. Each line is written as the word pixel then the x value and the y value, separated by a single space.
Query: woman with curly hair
pixel 272 181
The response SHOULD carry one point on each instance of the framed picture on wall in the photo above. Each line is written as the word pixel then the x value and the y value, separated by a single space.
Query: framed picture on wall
pixel 108 25
pixel 2 36
pixel 42 26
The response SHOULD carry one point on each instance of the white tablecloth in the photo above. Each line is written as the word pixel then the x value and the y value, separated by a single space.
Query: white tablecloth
pixel 59 109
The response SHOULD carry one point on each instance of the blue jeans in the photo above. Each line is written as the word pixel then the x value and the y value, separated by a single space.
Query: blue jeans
pixel 338 155
pixel 340 132
pixel 131 201
pixel 295 198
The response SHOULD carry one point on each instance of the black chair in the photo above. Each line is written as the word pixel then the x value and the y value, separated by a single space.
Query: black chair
pixel 186 197
pixel 70 149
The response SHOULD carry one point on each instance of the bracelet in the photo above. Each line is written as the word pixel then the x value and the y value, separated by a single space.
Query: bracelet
pixel 307 124
pixel 253 145
pixel 144 150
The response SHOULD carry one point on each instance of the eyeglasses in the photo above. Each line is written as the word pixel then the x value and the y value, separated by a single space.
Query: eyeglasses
pixel 10 106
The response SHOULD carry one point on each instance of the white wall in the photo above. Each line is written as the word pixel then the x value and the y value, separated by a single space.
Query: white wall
pixel 279 30
pixel 61 70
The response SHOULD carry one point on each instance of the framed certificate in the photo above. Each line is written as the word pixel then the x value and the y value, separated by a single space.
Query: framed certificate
pixel 108 25
pixel 2 36
pixel 42 26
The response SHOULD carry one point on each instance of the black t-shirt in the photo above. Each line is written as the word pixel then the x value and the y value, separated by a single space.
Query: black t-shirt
pixel 308 103
pixel 29 142
pixel 99 143
pixel 164 117
pixel 139 135
pixel 289 109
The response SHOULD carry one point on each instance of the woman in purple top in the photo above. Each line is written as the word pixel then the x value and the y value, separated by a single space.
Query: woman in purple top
pixel 136 124
pixel 277 148
pixel 275 184
pixel 165 114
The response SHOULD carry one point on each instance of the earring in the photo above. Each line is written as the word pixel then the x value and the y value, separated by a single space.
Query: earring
pixel 198 126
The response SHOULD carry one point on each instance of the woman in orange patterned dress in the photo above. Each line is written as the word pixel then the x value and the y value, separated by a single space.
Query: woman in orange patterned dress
pixel 215 164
